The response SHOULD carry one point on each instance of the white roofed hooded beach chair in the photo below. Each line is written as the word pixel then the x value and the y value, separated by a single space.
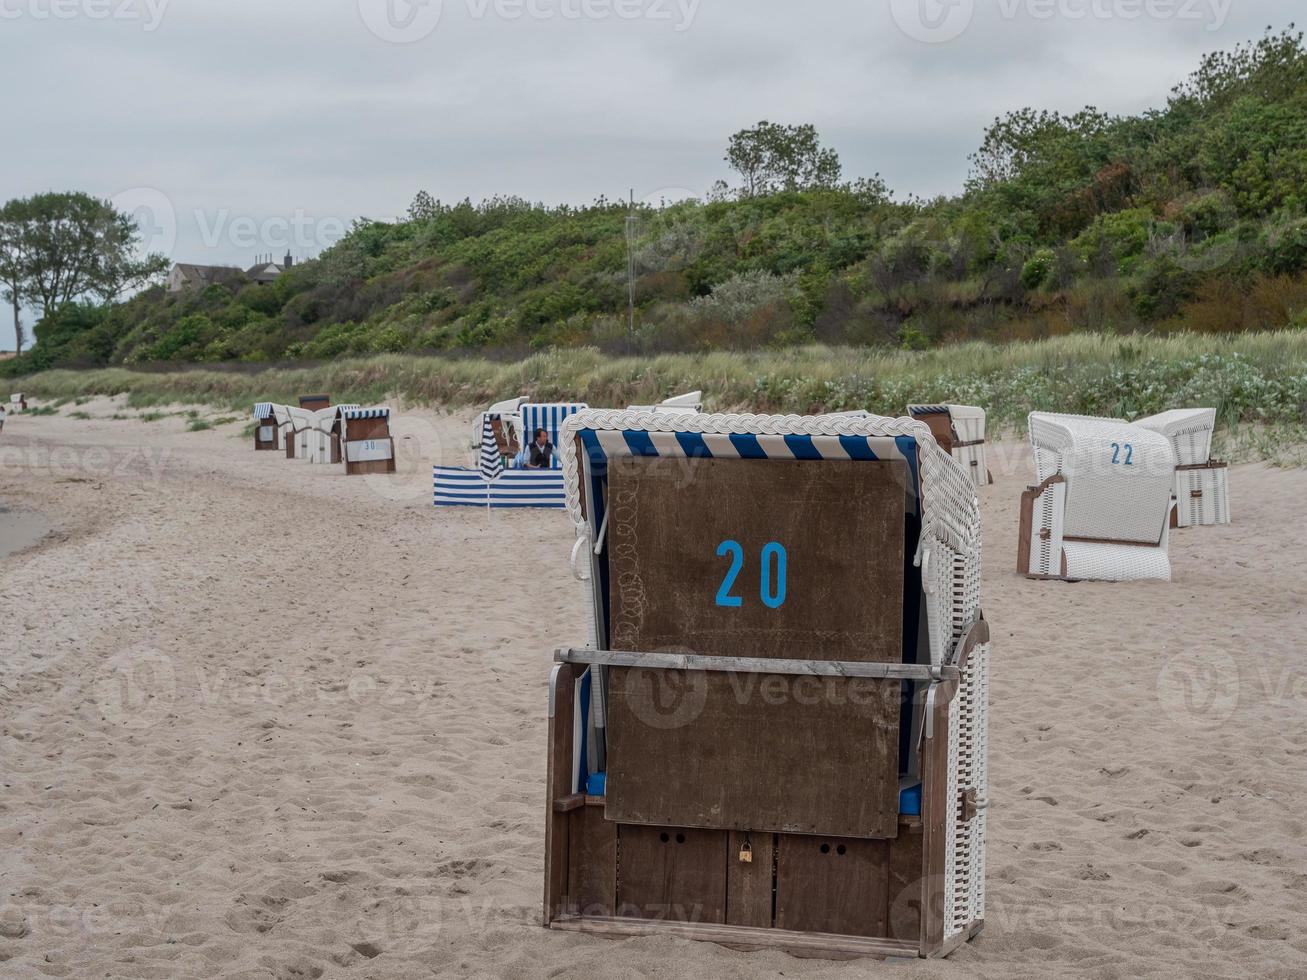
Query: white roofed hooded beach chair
pixel 691 403
pixel 509 406
pixel 18 402
pixel 297 431
pixel 285 428
pixel 1202 485
pixel 727 556
pixel 327 426
pixel 265 427
pixel 1102 509
pixel 960 430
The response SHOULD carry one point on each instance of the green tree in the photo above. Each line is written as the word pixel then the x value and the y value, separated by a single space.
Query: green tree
pixel 14 262
pixel 771 158
pixel 77 245
pixel 424 207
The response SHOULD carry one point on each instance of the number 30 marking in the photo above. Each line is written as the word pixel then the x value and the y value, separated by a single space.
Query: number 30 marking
pixel 772 587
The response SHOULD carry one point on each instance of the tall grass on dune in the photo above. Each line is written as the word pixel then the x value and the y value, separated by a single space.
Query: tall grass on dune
pixel 1251 378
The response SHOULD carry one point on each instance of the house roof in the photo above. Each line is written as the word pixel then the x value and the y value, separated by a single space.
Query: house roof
pixel 207 273
pixel 269 270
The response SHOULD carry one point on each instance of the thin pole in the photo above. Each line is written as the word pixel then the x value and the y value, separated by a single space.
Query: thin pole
pixel 630 266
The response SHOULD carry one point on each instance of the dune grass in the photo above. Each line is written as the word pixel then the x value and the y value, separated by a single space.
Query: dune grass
pixel 1249 378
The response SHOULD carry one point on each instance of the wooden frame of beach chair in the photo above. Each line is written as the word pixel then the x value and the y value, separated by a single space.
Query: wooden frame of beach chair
pixel 366 445
pixel 1202 484
pixel 1102 508
pixel 738 846
pixel 266 429
pixel 959 430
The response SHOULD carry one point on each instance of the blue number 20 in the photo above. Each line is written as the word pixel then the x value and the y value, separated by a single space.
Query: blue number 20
pixel 774 572
pixel 724 597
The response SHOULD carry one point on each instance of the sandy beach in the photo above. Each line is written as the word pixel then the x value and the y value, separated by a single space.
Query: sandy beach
pixel 260 720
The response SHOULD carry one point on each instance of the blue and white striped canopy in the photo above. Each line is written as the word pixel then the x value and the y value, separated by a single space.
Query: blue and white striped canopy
pixel 354 412
pixel 600 445
pixel 490 464
pixel 551 419
pixel 262 411
pixel 916 410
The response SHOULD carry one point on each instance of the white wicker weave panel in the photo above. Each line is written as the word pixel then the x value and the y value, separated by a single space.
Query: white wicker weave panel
pixel 972 707
pixel 1119 476
pixel 1098 562
pixel 951 881
pixel 1212 505
pixel 968 422
pixel 1117 502
pixel 1047 532
pixel 1189 430
pixel 975 463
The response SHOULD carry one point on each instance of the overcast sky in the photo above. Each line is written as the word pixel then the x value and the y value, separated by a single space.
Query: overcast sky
pixel 239 127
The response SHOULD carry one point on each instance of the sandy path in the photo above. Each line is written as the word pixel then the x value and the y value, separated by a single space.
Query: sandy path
pixel 235 745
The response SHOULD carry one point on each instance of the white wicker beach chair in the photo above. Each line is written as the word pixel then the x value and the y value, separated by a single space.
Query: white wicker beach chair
pixel 325 446
pixel 960 430
pixel 18 402
pixel 1103 505
pixel 1202 485
pixel 737 871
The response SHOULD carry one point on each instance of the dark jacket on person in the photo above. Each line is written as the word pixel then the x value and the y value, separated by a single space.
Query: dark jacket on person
pixel 541 456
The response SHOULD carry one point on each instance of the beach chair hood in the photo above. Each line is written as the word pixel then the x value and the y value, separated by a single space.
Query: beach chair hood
pixel 945 496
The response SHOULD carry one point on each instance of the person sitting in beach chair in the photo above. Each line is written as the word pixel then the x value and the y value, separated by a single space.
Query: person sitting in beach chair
pixel 540 454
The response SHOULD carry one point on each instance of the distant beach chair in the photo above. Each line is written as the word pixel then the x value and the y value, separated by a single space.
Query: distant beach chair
pixel 366 445
pixel 1202 485
pixel 307 435
pixel 295 427
pixel 285 432
pixel 18 402
pixel 1102 509
pixel 265 427
pixel 324 444
pixel 550 417
pixel 780 721
pixel 959 430
pixel 691 403
pixel 510 426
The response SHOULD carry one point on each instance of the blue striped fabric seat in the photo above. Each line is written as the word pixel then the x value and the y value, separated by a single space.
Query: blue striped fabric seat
pixel 551 419
pixel 460 487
